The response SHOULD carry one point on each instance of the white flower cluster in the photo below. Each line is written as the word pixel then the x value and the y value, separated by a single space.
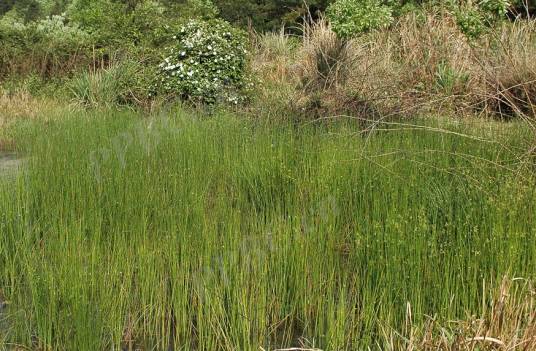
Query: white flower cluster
pixel 207 62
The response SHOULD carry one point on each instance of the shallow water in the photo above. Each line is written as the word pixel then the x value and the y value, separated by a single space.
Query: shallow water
pixel 10 163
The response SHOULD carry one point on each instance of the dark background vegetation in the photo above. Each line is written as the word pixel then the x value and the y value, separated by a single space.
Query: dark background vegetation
pixel 262 14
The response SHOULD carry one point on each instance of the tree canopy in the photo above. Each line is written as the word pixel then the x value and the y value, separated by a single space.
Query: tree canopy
pixel 263 15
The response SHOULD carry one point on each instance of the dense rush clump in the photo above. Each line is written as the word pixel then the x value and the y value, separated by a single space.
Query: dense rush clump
pixel 223 233
pixel 207 63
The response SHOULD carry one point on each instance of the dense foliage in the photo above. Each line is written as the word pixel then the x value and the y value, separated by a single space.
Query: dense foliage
pixel 206 62
pixel 474 18
pixel 263 15
pixel 61 39
pixel 45 46
pixel 270 14
pixel 351 17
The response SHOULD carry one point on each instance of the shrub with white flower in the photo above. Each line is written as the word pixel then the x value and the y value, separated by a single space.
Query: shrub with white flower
pixel 207 63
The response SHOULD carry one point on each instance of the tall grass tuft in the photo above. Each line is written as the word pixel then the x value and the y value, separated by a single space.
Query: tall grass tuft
pixel 274 64
pixel 326 58
pixel 121 82
pixel 333 74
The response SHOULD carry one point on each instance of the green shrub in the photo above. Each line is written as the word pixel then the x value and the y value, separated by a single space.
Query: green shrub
pixel 44 47
pixel 207 63
pixel 475 18
pixel 204 9
pixel 350 18
pixel 115 23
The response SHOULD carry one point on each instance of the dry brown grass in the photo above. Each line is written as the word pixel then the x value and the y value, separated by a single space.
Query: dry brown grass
pixel 275 65
pixel 509 66
pixel 325 59
pixel 332 76
pixel 507 322
pixel 22 105
pixel 274 56
pixel 382 73
pixel 423 63
pixel 434 57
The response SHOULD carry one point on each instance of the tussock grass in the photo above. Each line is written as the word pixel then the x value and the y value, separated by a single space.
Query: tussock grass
pixel 510 74
pixel 121 82
pixel 228 234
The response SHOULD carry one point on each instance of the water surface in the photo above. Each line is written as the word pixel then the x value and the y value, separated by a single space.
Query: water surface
pixel 10 163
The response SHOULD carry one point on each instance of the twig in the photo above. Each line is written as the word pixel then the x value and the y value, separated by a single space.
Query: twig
pixel 485 339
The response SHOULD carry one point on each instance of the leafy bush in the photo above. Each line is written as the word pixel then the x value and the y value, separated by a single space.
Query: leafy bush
pixel 116 23
pixel 207 63
pixel 204 9
pixel 45 47
pixel 350 18
pixel 474 18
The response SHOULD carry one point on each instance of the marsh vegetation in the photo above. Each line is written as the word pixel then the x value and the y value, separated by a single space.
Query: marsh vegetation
pixel 362 179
